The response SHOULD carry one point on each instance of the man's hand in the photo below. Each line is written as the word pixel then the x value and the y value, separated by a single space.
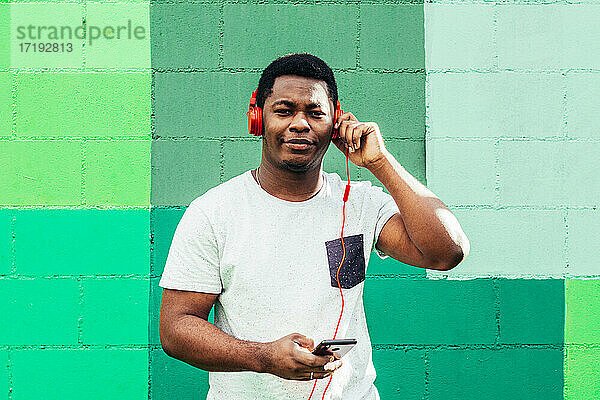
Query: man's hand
pixel 290 358
pixel 362 139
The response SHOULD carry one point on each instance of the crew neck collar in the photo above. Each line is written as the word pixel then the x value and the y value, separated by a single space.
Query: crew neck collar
pixel 269 197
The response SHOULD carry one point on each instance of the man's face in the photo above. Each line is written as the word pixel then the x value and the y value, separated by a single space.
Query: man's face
pixel 298 110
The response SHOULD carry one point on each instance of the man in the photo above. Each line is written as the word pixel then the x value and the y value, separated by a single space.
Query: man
pixel 265 247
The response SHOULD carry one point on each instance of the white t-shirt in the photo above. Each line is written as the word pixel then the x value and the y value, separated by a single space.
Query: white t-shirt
pixel 274 263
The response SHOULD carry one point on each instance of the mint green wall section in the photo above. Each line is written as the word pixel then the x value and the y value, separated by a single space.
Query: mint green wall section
pixel 511 149
pixel 200 76
pixel 75 141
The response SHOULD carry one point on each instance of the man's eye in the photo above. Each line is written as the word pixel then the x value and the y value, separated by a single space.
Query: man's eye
pixel 318 113
pixel 282 111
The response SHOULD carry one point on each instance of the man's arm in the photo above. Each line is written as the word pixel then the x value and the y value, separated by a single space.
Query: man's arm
pixel 186 334
pixel 424 233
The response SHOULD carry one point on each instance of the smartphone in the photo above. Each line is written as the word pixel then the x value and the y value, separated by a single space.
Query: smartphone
pixel 337 347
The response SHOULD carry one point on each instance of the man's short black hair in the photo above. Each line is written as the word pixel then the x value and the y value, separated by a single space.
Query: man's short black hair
pixel 301 64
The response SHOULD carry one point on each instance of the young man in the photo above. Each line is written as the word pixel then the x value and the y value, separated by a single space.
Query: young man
pixel 265 247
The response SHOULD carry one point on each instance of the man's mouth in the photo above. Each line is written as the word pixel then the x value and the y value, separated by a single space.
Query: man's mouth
pixel 299 144
pixel 300 141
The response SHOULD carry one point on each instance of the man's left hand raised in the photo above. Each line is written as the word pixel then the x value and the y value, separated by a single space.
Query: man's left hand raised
pixel 362 139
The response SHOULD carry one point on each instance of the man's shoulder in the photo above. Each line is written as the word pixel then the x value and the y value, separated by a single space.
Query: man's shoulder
pixel 222 194
pixel 355 185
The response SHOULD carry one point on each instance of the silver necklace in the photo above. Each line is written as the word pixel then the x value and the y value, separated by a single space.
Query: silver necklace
pixel 257 178
pixel 259 184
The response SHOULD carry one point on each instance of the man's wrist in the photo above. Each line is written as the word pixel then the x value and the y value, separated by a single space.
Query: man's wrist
pixel 262 360
pixel 380 162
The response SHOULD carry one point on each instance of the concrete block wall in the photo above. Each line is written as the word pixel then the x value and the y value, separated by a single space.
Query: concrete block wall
pixel 511 147
pixel 75 143
pixel 203 79
pixel 492 105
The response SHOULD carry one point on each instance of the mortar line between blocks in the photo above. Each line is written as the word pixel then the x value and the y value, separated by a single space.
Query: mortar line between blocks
pixel 80 306
pixel 47 347
pixel 97 277
pixel 83 171
pixel 55 70
pixel 565 371
pixel 495 62
pixel 349 69
pixel 84 22
pixel 149 347
pixel 567 265
pixel 13 105
pixel 13 243
pixel 565 346
pixel 221 160
pixel 427 372
pixel 221 35
pixel 152 109
pixel 152 223
pixel 496 288
pixel 481 70
pixel 358 32
pixel 10 372
pixel 497 172
pixel 565 116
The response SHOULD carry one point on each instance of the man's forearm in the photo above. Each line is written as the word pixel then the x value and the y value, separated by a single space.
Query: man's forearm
pixel 429 223
pixel 203 345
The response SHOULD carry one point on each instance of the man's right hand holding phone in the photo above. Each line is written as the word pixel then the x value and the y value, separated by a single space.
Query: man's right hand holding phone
pixel 290 358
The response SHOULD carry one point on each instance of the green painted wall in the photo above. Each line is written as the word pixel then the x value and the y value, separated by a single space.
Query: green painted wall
pixel 511 150
pixel 195 147
pixel 75 166
pixel 492 105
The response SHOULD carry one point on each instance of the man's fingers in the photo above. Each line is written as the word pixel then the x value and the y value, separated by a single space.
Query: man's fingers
pixel 344 117
pixel 346 133
pixel 332 366
pixel 356 135
pixel 316 375
pixel 312 361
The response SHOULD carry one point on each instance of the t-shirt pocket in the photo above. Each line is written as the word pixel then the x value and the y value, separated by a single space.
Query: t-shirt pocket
pixel 353 269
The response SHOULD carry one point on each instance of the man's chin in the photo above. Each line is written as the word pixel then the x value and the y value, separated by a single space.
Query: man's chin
pixel 298 164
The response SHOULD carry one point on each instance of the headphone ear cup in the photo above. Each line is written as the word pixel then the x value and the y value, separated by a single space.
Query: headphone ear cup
pixel 258 121
pixel 255 121
pixel 338 113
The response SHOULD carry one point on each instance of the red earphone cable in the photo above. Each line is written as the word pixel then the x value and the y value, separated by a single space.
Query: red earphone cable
pixel 346 194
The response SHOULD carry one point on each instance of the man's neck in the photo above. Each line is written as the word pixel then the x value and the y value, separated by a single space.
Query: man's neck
pixel 288 185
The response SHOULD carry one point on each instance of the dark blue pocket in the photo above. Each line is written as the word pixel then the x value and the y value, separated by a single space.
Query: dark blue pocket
pixel 353 269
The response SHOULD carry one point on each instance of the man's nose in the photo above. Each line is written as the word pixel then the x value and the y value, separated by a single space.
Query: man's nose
pixel 299 123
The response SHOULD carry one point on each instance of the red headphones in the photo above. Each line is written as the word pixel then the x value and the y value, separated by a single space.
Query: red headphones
pixel 255 117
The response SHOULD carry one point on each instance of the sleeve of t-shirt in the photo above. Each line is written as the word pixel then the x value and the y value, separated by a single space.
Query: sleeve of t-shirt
pixel 193 260
pixel 385 207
